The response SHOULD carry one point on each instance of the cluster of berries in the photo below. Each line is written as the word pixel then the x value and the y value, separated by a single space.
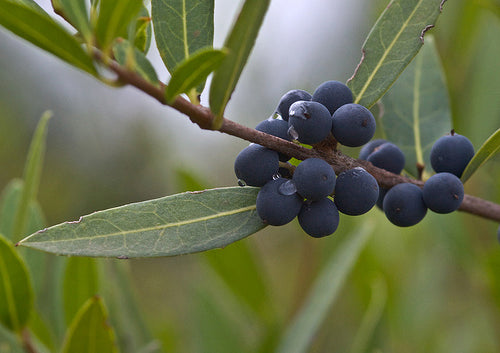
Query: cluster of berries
pixel 406 204
pixel 307 192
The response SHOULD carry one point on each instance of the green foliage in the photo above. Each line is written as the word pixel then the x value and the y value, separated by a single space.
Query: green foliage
pixel 239 44
pixel 16 292
pixel 192 72
pixel 391 44
pixel 42 31
pixel 135 60
pixel 417 110
pixel 76 13
pixel 489 149
pixel 173 225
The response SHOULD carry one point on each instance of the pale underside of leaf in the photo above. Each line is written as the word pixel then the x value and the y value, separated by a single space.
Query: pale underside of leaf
pixel 489 149
pixel 173 225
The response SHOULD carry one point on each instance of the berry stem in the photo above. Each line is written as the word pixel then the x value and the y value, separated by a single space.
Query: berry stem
pixel 203 117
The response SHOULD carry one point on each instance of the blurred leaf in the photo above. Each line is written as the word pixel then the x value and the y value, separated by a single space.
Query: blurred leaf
pixel 76 13
pixel 31 177
pixel 9 204
pixel 238 268
pixel 493 6
pixel 182 27
pixel 81 281
pixel 143 32
pixel 135 60
pixel 193 72
pixel 113 19
pixel 391 44
pixel 45 33
pixel 371 318
pixel 189 180
pixel 300 334
pixel 172 225
pixel 9 342
pixel 16 293
pixel 41 330
pixel 32 4
pixel 90 331
pixel 417 108
pixel 489 149
pixel 239 44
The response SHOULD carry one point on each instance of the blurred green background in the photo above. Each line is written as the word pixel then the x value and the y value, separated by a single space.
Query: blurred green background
pixel 108 147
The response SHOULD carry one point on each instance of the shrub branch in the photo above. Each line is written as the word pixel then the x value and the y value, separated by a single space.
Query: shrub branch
pixel 203 117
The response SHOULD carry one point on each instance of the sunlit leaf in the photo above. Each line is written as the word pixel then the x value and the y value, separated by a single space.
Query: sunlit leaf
pixel 182 27
pixel 300 334
pixel 32 4
pixel 81 281
pixel 113 19
pixel 192 72
pixel 135 60
pixel 42 31
pixel 417 109
pixel 173 225
pixel 239 44
pixel 76 12
pixel 90 331
pixel 489 149
pixel 391 44
pixel 16 293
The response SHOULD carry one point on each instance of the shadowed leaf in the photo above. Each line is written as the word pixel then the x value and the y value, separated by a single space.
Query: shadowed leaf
pixel 135 60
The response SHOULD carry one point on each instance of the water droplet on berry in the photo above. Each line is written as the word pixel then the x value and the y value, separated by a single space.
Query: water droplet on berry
pixel 293 133
pixel 287 188
pixel 241 182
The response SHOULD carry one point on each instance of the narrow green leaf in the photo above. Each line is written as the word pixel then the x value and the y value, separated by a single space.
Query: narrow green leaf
pixel 81 281
pixel 193 72
pixel 90 331
pixel 44 32
pixel 11 195
pixel 324 292
pixel 182 27
pixel 31 4
pixel 489 149
pixel 31 177
pixel 417 109
pixel 16 293
pixel 113 19
pixel 172 225
pixel 239 43
pixel 142 31
pixel 391 44
pixel 76 12
pixel 135 60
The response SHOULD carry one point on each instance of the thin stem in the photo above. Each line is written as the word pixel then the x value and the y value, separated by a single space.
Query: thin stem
pixel 27 343
pixel 203 117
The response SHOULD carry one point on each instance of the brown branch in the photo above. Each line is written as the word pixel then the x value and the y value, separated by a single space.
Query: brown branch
pixel 27 343
pixel 203 117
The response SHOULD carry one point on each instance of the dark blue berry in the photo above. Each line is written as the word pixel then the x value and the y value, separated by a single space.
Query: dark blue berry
pixel 404 205
pixel 278 128
pixel 356 191
pixel 310 121
pixel 319 218
pixel 288 99
pixel 275 207
pixel 353 125
pixel 367 149
pixel 255 165
pixel 388 156
pixel 443 192
pixel 314 179
pixel 451 153
pixel 333 95
pixel 381 195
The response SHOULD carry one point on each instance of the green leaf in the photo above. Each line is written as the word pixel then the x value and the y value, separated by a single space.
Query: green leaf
pixel 193 72
pixel 300 334
pixel 135 60
pixel 9 342
pixel 391 44
pixel 113 19
pixel 31 177
pixel 172 225
pixel 16 293
pixel 489 149
pixel 31 4
pixel 11 195
pixel 44 32
pixel 90 331
pixel 239 43
pixel 182 27
pixel 417 109
pixel 143 32
pixel 76 12
pixel 81 281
